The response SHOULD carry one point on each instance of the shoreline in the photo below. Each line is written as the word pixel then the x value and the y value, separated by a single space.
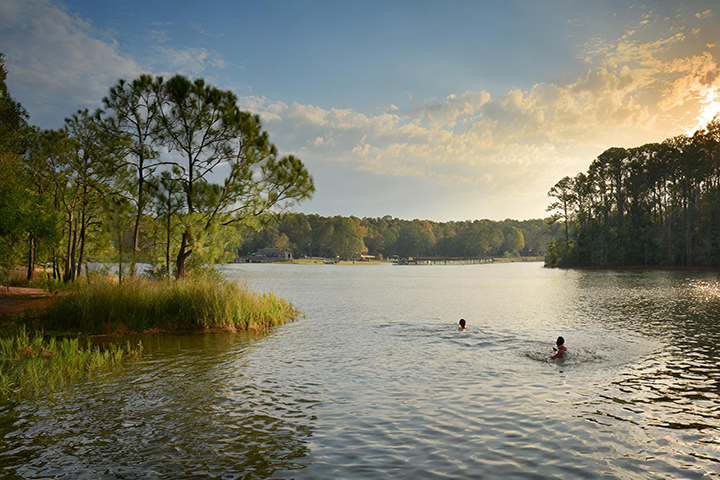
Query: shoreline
pixel 643 267
pixel 17 301
pixel 326 261
pixel 144 307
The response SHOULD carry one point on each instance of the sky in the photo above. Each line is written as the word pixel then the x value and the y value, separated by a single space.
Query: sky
pixel 440 110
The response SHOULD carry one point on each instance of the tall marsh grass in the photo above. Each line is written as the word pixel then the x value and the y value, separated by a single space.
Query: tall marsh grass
pixel 31 364
pixel 141 305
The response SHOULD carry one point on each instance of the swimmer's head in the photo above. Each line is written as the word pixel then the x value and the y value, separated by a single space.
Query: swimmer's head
pixel 560 341
pixel 462 323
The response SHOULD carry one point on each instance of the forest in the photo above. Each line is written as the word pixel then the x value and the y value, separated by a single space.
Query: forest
pixel 347 237
pixel 165 173
pixel 653 205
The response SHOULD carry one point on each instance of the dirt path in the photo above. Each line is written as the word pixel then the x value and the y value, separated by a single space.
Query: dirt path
pixel 14 300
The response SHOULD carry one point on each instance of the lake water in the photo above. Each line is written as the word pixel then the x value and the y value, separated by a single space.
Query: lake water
pixel 377 382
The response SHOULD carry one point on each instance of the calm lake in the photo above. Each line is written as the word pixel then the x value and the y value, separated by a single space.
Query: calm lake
pixel 377 382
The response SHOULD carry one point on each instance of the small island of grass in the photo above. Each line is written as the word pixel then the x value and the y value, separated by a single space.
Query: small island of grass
pixel 33 361
pixel 193 303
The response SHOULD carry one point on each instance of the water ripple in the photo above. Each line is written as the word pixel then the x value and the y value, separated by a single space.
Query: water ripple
pixel 377 382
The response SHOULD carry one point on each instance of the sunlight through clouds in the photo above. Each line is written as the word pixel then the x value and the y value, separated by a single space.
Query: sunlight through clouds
pixel 643 87
pixel 710 108
pixel 655 77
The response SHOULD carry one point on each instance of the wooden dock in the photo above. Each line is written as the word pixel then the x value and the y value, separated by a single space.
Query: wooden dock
pixel 444 260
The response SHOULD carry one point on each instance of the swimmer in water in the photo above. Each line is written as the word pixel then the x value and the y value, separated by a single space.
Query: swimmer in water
pixel 462 326
pixel 560 350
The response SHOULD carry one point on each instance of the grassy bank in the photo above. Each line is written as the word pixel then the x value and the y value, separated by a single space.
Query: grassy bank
pixel 192 304
pixel 30 364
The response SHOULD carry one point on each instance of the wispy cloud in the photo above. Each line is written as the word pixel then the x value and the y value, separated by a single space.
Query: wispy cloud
pixel 206 30
pixel 57 60
pixel 636 89
pixel 188 60
pixel 648 83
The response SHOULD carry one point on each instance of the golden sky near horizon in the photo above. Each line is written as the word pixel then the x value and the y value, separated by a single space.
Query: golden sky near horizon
pixel 414 110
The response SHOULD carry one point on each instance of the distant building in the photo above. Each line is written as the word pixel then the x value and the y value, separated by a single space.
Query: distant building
pixel 265 255
pixel 275 254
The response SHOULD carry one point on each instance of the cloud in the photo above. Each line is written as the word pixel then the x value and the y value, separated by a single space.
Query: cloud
pixel 55 60
pixel 644 86
pixel 188 60
pixel 159 36
pixel 648 83
pixel 206 30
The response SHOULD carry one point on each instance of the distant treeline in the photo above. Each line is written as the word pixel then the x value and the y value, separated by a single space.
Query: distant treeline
pixel 347 237
pixel 654 205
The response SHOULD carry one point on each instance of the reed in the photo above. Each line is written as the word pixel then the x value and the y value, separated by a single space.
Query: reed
pixel 31 364
pixel 142 305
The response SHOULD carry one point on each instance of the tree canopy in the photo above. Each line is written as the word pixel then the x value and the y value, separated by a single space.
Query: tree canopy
pixel 653 205
pixel 348 237
pixel 170 169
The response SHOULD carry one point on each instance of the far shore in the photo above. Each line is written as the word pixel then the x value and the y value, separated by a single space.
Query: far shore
pixel 644 267
pixel 330 261
pixel 16 302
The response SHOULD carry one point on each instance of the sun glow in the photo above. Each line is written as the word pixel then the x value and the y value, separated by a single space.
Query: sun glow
pixel 710 108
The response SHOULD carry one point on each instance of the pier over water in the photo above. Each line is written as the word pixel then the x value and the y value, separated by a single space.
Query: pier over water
pixel 445 260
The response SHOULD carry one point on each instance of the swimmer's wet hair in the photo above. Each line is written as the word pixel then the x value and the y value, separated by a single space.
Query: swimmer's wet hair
pixel 560 341
pixel 462 322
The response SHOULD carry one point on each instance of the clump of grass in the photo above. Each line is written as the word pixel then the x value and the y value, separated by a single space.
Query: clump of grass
pixel 191 304
pixel 30 364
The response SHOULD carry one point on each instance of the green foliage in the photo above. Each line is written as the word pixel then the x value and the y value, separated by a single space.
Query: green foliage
pixel 559 253
pixel 15 208
pixel 104 188
pixel 513 239
pixel 197 302
pixel 13 119
pixel 415 238
pixel 31 364
pixel 655 205
pixel 207 128
pixel 387 236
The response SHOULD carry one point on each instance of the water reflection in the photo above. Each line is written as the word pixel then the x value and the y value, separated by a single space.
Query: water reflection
pixel 669 398
pixel 377 382
pixel 187 410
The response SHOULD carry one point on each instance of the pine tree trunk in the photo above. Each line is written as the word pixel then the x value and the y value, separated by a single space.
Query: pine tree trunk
pixel 183 254
pixel 66 274
pixel 73 252
pixel 120 243
pixel 31 258
pixel 167 249
pixel 136 242
pixel 55 267
pixel 81 254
